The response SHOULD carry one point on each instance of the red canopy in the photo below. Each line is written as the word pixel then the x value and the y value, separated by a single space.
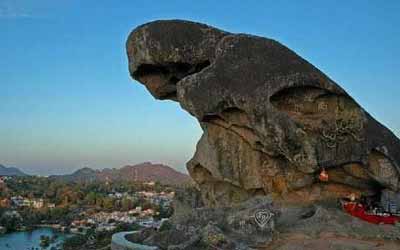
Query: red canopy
pixel 358 210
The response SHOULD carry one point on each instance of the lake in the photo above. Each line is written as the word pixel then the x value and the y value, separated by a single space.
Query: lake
pixel 27 240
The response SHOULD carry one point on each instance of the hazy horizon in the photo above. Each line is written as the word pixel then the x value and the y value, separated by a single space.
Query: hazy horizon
pixel 67 100
pixel 74 169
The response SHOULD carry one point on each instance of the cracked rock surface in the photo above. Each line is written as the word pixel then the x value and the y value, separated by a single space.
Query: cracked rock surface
pixel 271 120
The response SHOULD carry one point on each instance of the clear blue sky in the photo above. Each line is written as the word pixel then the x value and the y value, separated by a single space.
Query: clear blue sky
pixel 67 100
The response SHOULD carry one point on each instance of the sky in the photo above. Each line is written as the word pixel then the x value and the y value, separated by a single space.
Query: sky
pixel 67 100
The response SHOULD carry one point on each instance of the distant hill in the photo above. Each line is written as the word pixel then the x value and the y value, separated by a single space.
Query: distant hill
pixel 81 175
pixel 141 172
pixel 9 171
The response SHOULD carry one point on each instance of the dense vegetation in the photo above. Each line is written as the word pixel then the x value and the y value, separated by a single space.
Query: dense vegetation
pixel 72 198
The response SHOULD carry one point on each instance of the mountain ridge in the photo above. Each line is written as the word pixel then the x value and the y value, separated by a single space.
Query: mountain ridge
pixel 11 171
pixel 145 171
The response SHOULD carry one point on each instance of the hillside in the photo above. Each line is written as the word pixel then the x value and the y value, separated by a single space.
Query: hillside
pixel 141 172
pixel 9 171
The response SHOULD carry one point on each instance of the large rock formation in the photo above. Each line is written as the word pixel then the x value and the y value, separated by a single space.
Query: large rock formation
pixel 271 120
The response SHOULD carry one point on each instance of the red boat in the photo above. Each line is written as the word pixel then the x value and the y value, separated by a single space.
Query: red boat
pixel 359 211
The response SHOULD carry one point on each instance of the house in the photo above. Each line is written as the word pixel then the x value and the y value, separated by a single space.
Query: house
pixel 116 195
pixel 38 203
pixel 27 203
pixel 5 203
pixel 51 205
pixel 147 212
pixel 390 202
pixel 103 228
pixel 78 223
pixel 147 194
pixel 135 211
pixel 17 201
pixel 150 183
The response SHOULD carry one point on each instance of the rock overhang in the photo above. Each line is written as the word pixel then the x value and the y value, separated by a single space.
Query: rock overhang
pixel 271 120
pixel 164 52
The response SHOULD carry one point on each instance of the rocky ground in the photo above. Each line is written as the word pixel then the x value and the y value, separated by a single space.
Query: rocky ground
pixel 328 241
pixel 331 228
pixel 292 227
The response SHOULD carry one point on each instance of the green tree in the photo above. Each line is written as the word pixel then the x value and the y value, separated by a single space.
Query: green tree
pixel 127 204
pixel 108 203
pixel 11 221
pixel 91 198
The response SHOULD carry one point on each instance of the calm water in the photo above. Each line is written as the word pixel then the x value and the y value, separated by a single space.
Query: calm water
pixel 27 240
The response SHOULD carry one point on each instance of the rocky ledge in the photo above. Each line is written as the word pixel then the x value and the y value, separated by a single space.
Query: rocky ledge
pixel 260 224
pixel 272 122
